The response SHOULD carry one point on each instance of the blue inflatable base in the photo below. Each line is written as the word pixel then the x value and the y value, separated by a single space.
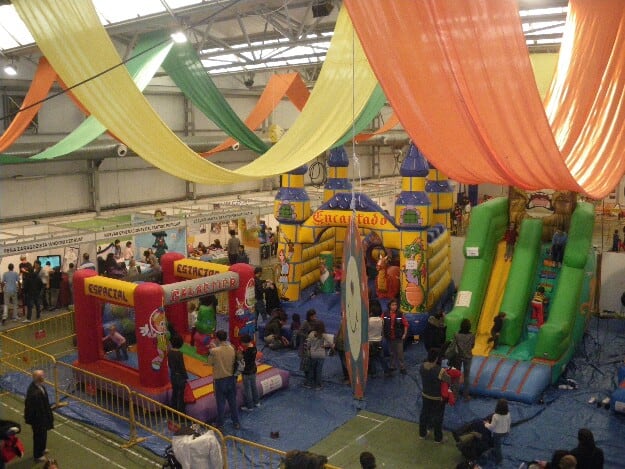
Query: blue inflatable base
pixel 521 381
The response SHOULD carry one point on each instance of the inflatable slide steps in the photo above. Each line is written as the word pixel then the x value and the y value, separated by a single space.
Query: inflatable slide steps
pixel 497 377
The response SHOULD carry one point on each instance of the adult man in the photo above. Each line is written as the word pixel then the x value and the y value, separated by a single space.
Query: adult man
pixel 38 414
pixel 86 263
pixel 233 247
pixel 32 293
pixel 395 332
pixel 10 283
pixel 432 405
pixel 222 357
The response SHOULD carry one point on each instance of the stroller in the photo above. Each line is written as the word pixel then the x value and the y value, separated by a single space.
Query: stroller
pixel 11 446
pixel 472 440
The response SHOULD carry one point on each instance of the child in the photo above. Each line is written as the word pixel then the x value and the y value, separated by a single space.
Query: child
pixel 538 306
pixel 510 238
pixel 499 426
pixel 118 341
pixel 250 391
pixel 296 324
pixel 616 241
pixel 495 332
pixel 449 390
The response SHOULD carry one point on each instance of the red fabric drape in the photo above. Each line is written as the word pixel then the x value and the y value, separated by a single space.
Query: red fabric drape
pixel 289 84
pixel 458 76
pixel 39 89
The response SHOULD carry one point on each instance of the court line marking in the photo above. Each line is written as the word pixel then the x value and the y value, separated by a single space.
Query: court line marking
pixel 92 433
pixel 375 427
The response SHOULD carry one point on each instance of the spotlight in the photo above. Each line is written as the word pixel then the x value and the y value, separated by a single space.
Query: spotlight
pixel 322 8
pixel 10 69
pixel 179 37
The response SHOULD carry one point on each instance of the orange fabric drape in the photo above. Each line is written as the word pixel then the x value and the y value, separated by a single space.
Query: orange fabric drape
pixel 458 76
pixel 289 84
pixel 586 102
pixel 39 89
pixel 392 121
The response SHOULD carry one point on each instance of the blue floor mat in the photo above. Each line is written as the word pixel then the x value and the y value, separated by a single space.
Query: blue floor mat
pixel 303 416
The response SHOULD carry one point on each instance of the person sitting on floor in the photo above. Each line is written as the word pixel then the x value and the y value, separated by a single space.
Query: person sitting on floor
pixel 273 332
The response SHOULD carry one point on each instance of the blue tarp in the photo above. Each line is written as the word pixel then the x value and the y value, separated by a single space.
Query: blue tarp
pixel 304 416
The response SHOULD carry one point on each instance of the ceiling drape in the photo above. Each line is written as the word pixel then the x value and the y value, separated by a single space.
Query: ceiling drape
pixel 458 76
pixel 150 53
pixel 278 86
pixel 39 89
pixel 68 31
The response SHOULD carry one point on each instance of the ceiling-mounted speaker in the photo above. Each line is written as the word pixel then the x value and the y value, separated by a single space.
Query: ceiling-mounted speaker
pixel 322 8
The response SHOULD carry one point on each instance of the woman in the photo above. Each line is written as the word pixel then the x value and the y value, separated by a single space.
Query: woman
pixel 316 348
pixel 465 340
pixel 499 427
pixel 177 374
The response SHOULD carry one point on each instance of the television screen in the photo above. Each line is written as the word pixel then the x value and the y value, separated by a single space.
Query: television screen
pixel 55 261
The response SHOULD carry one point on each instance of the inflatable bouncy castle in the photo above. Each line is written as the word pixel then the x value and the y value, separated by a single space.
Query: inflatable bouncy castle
pixel 409 248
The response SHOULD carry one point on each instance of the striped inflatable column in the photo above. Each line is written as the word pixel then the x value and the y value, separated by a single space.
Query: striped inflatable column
pixel 413 215
pixel 338 182
pixel 291 208
pixel 442 196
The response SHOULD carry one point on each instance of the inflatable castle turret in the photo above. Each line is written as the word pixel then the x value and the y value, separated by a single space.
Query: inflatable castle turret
pixel 441 194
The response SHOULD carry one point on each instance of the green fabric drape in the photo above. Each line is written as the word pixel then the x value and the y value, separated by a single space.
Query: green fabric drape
pixel 185 69
pixel 375 103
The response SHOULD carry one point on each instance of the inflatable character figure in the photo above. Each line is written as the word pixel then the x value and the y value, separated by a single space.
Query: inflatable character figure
pixel 205 324
pixel 387 281
pixel 157 328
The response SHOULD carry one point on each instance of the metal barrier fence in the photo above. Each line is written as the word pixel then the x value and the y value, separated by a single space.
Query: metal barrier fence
pixel 54 335
pixel 139 412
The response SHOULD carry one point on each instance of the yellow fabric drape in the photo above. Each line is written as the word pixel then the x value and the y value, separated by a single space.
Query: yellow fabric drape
pixel 68 32
pixel 39 89
pixel 459 77
pixel 278 86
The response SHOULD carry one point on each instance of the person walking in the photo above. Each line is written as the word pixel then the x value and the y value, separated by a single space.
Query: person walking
pixel 38 414
pixel 177 374
pixel 499 427
pixel 221 357
pixel 465 340
pixel 395 332
pixel 10 284
pixel 233 247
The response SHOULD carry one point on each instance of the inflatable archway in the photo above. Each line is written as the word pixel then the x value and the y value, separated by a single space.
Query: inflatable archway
pixel 149 301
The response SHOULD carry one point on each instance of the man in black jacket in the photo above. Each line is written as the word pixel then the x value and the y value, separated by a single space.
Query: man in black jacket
pixel 432 405
pixel 38 414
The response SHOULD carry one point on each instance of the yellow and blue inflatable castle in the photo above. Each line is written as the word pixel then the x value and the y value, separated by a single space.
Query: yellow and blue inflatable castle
pixel 415 239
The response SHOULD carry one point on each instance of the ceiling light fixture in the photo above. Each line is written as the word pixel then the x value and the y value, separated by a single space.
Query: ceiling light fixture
pixel 10 69
pixel 179 37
